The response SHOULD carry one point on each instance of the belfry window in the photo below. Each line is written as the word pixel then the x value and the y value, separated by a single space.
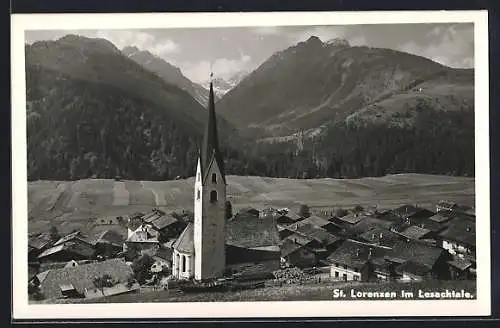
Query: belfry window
pixel 198 194
pixel 214 178
pixel 213 196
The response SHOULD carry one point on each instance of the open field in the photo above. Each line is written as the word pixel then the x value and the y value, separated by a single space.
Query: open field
pixel 70 203
pixel 314 292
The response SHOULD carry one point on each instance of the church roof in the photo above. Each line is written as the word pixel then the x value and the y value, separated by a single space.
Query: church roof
pixel 248 231
pixel 210 148
pixel 184 243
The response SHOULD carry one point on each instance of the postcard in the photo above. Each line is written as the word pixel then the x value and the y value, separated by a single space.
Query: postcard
pixel 245 165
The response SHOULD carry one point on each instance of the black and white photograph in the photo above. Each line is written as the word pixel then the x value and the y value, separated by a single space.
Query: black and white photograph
pixel 176 162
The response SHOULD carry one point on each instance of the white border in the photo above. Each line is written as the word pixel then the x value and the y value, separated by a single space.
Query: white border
pixel 21 309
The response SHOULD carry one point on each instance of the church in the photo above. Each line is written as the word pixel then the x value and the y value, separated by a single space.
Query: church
pixel 213 246
pixel 199 252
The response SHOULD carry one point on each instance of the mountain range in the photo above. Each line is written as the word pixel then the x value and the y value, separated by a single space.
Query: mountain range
pixel 312 84
pixel 318 108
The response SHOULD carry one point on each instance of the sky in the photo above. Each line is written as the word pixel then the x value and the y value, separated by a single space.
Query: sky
pixel 231 50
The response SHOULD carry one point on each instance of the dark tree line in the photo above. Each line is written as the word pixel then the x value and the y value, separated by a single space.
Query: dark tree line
pixel 79 130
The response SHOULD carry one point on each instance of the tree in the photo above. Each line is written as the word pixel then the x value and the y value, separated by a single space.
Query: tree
pixel 104 281
pixel 34 291
pixel 229 210
pixel 341 212
pixel 304 211
pixel 54 233
pixel 357 209
pixel 141 267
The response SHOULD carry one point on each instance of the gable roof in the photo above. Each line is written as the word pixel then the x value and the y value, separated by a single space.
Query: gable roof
pixel 108 236
pixel 288 247
pixel 410 210
pixel 185 243
pixel 75 247
pixel 73 235
pixel 163 222
pixel 415 232
pixel 373 236
pixel 351 218
pixel 164 253
pixel 319 234
pixel 298 239
pixel 81 276
pixel 416 251
pixel 355 254
pixel 460 263
pixel 250 231
pixel 40 241
pixel 153 215
pixel 315 221
pixel 134 223
pixel 461 230
pixel 413 268
pixel 368 223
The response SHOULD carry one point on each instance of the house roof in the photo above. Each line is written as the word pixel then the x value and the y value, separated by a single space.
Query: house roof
pixel 410 210
pixel 460 263
pixel 369 223
pixel 288 247
pixel 82 276
pixel 163 222
pixel 415 232
pixel 413 268
pixel 319 234
pixel 442 216
pixel 39 241
pixel 247 230
pixel 352 218
pixel 373 236
pixel 76 247
pixel 298 239
pixel 109 237
pixel 68 237
pixel 134 223
pixel 185 243
pixel 416 251
pixel 460 230
pixel 164 253
pixel 315 221
pixel 294 216
pixel 355 254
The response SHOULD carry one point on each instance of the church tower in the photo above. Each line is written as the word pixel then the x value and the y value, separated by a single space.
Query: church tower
pixel 209 203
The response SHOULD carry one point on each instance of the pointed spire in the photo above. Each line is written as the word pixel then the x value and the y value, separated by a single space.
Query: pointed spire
pixel 210 146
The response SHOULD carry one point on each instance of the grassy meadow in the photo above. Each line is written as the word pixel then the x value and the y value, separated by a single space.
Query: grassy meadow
pixel 69 204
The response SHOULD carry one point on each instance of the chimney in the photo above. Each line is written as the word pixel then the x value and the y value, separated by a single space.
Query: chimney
pixel 380 236
pixel 370 252
pixel 358 252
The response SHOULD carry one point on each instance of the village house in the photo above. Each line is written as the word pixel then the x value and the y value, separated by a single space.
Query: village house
pixel 462 268
pixel 319 222
pixel 459 238
pixel 409 213
pixel 435 258
pixel 108 243
pixel 294 254
pixel 381 237
pixel 367 223
pixel 37 244
pixel 73 246
pixel 352 260
pixel 413 271
pixel 252 242
pixel 79 280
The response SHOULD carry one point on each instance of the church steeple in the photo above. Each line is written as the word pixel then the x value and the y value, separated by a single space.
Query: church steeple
pixel 210 148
